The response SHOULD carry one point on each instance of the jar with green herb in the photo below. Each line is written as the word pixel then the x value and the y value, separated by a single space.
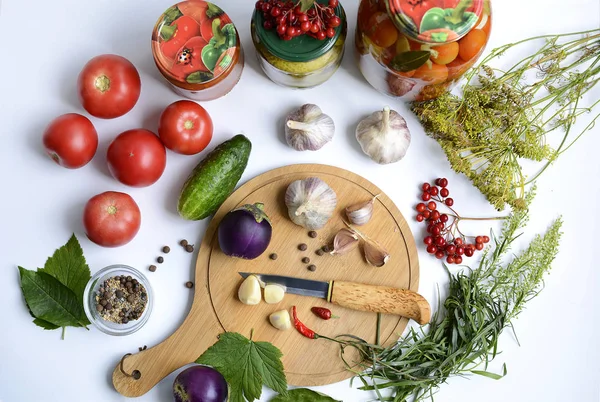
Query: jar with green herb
pixel 418 49
pixel 298 47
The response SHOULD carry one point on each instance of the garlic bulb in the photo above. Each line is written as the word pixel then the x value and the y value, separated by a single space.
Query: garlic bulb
pixel 310 202
pixel 361 213
pixel 308 128
pixel 384 136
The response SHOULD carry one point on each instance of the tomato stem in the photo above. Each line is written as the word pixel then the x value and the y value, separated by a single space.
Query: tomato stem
pixel 102 83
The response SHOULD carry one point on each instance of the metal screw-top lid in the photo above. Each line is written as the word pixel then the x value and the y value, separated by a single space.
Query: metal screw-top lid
pixel 195 42
pixel 303 48
pixel 435 22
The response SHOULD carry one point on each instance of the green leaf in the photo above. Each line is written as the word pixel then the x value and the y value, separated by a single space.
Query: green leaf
pixel 41 323
pixel 246 366
pixel 199 77
pixel 306 4
pixel 213 11
pixel 408 61
pixel 68 266
pixel 303 395
pixel 45 324
pixel 171 15
pixel 50 300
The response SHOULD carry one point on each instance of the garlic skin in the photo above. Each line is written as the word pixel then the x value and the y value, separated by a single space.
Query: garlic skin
pixel 384 136
pixel 344 241
pixel 311 202
pixel 375 254
pixel 308 128
pixel 360 214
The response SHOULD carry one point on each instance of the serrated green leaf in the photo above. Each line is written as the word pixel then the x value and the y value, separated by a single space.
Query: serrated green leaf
pixel 45 324
pixel 50 300
pixel 39 322
pixel 246 366
pixel 303 395
pixel 68 266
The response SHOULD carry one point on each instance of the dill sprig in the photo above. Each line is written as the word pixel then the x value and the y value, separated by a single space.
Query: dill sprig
pixel 462 338
pixel 504 116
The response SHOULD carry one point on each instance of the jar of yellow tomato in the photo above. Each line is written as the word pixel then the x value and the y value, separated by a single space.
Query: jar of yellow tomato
pixel 418 49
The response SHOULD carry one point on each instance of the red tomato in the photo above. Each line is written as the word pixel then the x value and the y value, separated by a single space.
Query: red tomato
pixel 109 86
pixel 185 127
pixel 136 158
pixel 111 219
pixel 71 140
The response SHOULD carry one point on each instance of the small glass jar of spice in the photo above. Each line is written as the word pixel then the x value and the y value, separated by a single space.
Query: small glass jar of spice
pixel 296 48
pixel 196 47
pixel 118 300
pixel 418 49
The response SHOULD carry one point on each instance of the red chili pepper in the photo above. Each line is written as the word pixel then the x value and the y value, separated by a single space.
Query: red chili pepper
pixel 303 329
pixel 323 313
pixel 174 36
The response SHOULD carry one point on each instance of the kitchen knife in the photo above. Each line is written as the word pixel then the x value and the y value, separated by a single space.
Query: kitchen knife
pixel 355 296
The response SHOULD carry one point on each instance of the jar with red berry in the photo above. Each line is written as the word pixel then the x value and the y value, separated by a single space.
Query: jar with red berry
pixel 418 49
pixel 197 49
pixel 297 47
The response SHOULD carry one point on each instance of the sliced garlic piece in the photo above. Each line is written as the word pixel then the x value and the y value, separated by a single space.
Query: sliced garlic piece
pixel 274 293
pixel 249 291
pixel 281 320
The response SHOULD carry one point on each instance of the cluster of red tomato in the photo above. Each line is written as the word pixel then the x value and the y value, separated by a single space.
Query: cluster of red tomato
pixel 109 86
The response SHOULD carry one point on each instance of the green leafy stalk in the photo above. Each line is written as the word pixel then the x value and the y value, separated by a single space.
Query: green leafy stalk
pixel 462 338
pixel 504 116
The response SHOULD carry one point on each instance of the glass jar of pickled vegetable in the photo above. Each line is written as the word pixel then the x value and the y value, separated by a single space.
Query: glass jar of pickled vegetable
pixel 295 48
pixel 418 49
pixel 197 49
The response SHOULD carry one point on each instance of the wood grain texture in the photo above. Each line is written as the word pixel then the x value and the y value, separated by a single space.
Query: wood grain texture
pixel 216 308
pixel 383 299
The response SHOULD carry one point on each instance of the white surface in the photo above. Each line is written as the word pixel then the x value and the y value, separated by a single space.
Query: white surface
pixel 44 45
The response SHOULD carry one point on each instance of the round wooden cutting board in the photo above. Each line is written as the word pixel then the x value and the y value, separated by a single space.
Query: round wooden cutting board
pixel 309 362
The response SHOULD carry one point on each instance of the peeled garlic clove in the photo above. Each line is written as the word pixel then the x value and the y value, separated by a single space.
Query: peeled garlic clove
pixel 311 202
pixel 274 293
pixel 375 255
pixel 249 291
pixel 281 320
pixel 384 136
pixel 308 128
pixel 361 213
pixel 344 241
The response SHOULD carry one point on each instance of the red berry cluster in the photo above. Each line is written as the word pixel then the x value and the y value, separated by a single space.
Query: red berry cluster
pixel 288 19
pixel 441 240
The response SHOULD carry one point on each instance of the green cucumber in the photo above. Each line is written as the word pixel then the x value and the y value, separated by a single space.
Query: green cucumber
pixel 214 179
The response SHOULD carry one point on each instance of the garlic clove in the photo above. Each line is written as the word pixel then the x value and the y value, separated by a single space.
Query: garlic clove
pixel 344 241
pixel 361 213
pixel 311 202
pixel 384 136
pixel 308 128
pixel 375 254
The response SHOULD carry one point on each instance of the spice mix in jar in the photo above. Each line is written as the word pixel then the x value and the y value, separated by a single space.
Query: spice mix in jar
pixel 418 49
pixel 196 47
pixel 296 48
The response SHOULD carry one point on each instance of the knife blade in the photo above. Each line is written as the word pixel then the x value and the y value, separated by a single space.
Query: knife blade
pixel 378 299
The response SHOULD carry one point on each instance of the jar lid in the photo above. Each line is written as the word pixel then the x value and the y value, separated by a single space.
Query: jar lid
pixel 194 42
pixel 435 22
pixel 303 48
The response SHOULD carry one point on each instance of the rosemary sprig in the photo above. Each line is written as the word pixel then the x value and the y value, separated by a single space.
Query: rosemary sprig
pixel 463 337
pixel 504 116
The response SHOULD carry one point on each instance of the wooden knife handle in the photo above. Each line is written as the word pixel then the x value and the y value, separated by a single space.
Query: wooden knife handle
pixel 380 299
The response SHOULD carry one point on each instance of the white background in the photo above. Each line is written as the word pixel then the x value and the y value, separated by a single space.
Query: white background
pixel 43 46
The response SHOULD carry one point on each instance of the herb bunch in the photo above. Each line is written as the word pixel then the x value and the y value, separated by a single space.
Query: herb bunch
pixel 463 339
pixel 505 116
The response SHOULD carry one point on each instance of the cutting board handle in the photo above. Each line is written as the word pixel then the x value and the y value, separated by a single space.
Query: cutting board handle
pixel 381 299
pixel 197 333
